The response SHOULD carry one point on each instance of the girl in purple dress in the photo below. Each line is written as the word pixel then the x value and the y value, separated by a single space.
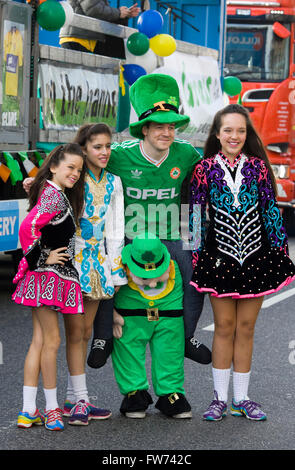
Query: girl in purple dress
pixel 47 279
pixel 244 254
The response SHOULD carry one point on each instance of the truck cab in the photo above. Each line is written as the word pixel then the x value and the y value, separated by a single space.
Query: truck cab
pixel 260 52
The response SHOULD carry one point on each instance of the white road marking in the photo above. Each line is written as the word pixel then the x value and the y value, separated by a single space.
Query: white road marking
pixel 266 303
pixel 278 298
pixel 10 424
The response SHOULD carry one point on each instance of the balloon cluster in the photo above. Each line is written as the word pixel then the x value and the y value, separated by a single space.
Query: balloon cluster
pixel 52 15
pixel 144 46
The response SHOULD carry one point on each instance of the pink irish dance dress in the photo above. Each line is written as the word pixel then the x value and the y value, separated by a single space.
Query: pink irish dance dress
pixel 48 226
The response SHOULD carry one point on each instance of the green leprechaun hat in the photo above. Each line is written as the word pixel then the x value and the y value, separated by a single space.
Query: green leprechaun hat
pixel 155 97
pixel 146 257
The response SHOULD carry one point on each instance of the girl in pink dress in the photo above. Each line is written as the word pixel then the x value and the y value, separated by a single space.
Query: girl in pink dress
pixel 98 244
pixel 47 279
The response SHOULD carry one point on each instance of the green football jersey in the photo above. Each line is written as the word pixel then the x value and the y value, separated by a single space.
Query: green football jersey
pixel 152 189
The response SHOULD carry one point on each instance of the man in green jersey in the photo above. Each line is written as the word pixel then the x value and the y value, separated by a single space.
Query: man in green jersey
pixel 152 169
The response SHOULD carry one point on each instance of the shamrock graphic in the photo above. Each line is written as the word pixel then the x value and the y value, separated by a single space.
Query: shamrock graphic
pixel 148 256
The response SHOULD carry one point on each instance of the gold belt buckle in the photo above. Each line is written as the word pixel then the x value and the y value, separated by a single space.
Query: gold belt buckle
pixel 152 314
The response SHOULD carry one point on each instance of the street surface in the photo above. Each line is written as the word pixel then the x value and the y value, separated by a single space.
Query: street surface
pixel 272 384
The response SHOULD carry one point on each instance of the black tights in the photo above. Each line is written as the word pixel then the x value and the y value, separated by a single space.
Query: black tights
pixel 103 322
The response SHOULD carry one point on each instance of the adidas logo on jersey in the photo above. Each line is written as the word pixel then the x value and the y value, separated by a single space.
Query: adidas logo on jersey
pixel 136 174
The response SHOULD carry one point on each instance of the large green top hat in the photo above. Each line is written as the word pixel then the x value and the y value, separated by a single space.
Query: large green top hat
pixel 146 256
pixel 155 97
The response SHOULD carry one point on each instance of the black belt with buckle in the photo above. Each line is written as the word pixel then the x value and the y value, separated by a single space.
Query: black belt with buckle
pixel 153 314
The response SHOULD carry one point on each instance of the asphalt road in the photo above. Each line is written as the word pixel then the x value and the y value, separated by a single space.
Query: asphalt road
pixel 272 385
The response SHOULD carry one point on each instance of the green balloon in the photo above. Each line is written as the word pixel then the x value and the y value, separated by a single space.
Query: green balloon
pixel 232 86
pixel 138 44
pixel 51 15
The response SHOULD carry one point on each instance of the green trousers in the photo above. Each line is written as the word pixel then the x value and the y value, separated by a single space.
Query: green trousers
pixel 166 340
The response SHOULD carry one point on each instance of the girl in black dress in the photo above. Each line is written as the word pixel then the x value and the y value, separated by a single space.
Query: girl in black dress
pixel 244 255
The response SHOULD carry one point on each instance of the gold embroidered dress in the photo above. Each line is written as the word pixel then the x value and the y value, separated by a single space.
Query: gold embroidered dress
pixel 100 237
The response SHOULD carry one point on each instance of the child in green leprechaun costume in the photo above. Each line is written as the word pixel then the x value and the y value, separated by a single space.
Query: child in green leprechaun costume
pixel 150 311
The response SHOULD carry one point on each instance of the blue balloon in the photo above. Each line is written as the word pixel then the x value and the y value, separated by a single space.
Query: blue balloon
pixel 150 23
pixel 132 72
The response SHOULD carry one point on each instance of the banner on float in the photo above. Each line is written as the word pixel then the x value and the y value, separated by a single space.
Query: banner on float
pixel 73 96
pixel 9 216
pixel 12 213
pixel 199 88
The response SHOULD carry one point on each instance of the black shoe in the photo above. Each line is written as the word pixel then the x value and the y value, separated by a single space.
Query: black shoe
pixel 174 405
pixel 135 403
pixel 99 352
pixel 197 351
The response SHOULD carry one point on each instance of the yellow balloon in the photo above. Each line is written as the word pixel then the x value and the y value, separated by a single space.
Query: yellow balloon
pixel 163 44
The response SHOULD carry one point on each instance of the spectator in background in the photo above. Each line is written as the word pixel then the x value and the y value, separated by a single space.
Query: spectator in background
pixel 76 39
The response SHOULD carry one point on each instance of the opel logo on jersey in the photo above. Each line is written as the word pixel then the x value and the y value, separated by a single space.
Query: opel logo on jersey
pixel 159 194
pixel 175 173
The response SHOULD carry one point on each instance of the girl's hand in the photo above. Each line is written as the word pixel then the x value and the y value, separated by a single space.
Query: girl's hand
pixel 58 256
pixel 118 323
pixel 27 183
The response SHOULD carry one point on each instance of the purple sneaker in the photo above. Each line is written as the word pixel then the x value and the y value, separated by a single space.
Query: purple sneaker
pixel 94 413
pixel 217 409
pixel 98 413
pixel 80 414
pixel 247 408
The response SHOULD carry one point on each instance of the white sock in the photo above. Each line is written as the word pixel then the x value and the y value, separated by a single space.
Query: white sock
pixel 240 385
pixel 50 398
pixel 79 386
pixel 221 380
pixel 70 391
pixel 29 399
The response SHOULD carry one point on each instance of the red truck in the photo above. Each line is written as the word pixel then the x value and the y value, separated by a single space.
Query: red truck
pixel 260 51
